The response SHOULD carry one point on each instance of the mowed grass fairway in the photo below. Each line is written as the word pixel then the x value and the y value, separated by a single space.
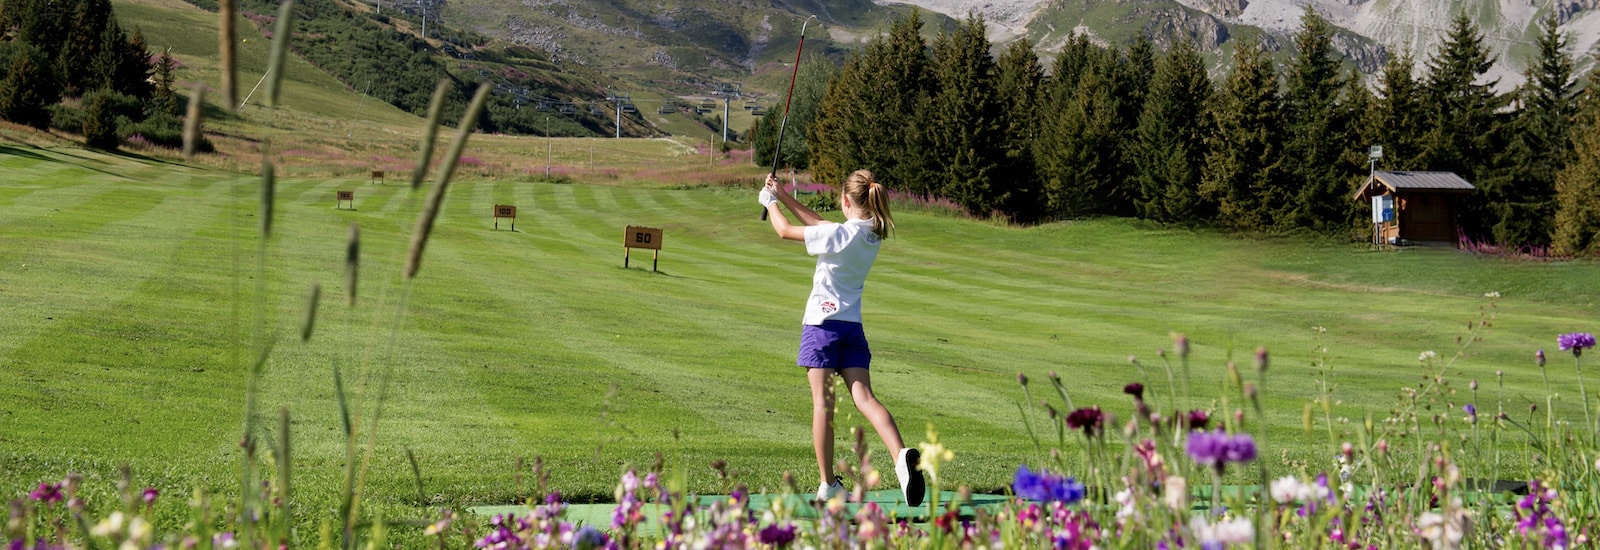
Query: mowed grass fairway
pixel 131 298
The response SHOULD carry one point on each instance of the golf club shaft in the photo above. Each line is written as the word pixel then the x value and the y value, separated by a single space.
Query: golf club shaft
pixel 778 150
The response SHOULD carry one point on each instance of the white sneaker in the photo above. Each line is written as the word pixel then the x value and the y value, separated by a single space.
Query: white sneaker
pixel 911 483
pixel 829 491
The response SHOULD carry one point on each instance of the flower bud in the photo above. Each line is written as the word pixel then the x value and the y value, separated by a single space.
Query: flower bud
pixel 1261 359
pixel 1539 357
pixel 1180 345
pixel 1022 379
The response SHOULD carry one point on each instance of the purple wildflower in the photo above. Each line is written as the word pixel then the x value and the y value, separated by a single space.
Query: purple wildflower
pixel 1576 342
pixel 1217 449
pixel 1472 412
pixel 150 494
pixel 47 492
pixel 1195 420
pixel 1539 355
pixel 1042 486
pixel 589 538
pixel 1088 419
pixel 1534 517
pixel 777 535
pixel 1135 389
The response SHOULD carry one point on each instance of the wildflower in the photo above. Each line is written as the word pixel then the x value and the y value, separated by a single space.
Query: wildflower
pixel 112 525
pixel 1288 489
pixel 777 535
pixel 589 538
pixel 1494 294
pixel 1043 486
pixel 1472 413
pixel 1180 345
pixel 150 494
pixel 1426 355
pixel 47 492
pixel 1088 419
pixel 1535 518
pixel 1222 533
pixel 934 454
pixel 1539 356
pixel 1576 342
pixel 1195 420
pixel 1261 359
pixel 1134 389
pixel 1176 494
pixel 1217 449
pixel 1022 379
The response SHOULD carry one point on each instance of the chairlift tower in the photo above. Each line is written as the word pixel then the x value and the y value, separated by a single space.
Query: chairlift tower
pixel 728 93
pixel 619 98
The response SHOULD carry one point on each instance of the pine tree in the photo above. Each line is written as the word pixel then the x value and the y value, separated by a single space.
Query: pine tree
pixel 1078 152
pixel 1244 158
pixel 107 60
pixel 1398 120
pixel 1017 85
pixel 99 121
pixel 1537 145
pixel 874 113
pixel 1313 176
pixel 1463 125
pixel 133 68
pixel 1577 218
pixel 86 40
pixel 29 88
pixel 1168 147
pixel 964 125
pixel 1354 108
pixel 163 98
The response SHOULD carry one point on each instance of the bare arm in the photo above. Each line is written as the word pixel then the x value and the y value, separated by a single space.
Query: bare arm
pixel 781 224
pixel 807 216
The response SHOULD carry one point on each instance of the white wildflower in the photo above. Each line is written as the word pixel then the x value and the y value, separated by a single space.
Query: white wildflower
pixel 1234 531
pixel 112 525
pixel 1288 489
pixel 1176 494
pixel 1495 294
pixel 1426 355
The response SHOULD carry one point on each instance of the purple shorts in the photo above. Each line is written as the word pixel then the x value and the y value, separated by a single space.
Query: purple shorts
pixel 834 345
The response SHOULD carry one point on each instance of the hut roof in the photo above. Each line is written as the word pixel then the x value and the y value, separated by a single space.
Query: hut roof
pixel 1446 182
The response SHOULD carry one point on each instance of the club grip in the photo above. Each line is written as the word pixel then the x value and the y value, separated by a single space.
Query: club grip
pixel 763 214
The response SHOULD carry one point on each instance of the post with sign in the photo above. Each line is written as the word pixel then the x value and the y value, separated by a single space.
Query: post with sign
pixel 641 237
pixel 377 176
pixel 345 196
pixel 505 211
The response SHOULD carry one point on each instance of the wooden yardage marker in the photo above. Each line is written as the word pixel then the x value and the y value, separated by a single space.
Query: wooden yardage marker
pixel 505 211
pixel 343 196
pixel 641 237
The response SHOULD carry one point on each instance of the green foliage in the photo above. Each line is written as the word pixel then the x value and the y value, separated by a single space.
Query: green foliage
pixel 29 88
pixel 1398 119
pixel 811 84
pixel 963 126
pixel 1079 147
pixel 163 130
pixel 1245 156
pixel 1168 147
pixel 99 120
pixel 1462 125
pixel 1577 216
pixel 1018 83
pixel 873 113
pixel 1536 144
pixel 1314 179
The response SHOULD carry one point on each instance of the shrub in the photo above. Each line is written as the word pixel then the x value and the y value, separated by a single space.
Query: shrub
pixel 163 130
pixel 67 118
pixel 100 121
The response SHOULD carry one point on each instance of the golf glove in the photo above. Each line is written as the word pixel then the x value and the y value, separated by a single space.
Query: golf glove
pixel 767 198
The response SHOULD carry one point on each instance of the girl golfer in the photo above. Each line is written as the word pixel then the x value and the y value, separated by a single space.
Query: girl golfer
pixel 831 340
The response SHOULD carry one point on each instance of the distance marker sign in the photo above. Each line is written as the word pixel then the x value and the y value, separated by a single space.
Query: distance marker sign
pixel 505 211
pixel 641 237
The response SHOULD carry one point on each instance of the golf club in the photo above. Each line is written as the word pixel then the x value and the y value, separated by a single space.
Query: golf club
pixel 777 152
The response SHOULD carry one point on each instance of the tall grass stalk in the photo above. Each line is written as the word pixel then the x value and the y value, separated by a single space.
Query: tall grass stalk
pixel 430 133
pixel 280 51
pixel 227 39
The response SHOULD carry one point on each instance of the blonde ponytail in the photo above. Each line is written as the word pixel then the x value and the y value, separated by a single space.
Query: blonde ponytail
pixel 863 189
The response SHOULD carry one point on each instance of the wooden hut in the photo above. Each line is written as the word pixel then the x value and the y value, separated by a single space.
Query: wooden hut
pixel 1424 204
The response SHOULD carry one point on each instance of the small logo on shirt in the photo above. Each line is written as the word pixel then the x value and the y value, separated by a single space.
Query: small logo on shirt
pixel 872 238
pixel 828 306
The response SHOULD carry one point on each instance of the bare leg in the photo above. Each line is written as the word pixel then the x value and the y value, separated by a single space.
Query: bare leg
pixel 860 383
pixel 822 420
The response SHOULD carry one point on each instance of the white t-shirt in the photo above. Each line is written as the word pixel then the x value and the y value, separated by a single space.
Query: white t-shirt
pixel 844 252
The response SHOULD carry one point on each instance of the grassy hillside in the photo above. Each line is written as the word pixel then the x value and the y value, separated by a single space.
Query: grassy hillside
pixel 135 298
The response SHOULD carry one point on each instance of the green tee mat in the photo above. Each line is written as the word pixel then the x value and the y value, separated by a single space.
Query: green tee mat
pixel 802 507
